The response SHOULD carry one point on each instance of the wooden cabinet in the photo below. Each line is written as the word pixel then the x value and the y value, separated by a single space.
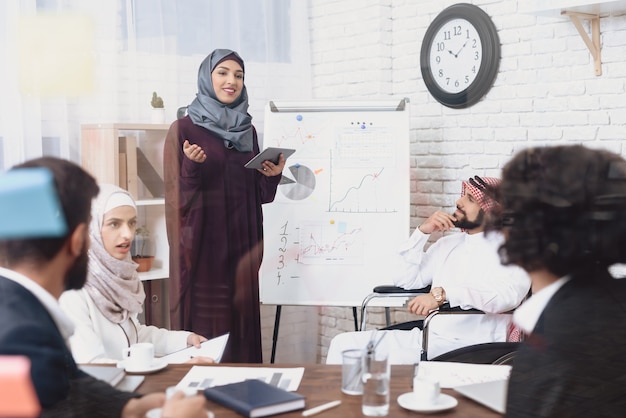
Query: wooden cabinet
pixel 131 156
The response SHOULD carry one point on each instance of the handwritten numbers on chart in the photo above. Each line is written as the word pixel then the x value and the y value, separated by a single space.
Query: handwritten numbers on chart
pixel 281 251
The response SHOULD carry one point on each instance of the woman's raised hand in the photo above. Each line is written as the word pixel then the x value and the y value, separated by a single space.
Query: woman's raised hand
pixel 194 152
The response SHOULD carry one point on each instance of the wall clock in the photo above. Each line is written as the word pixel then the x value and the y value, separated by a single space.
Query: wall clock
pixel 460 55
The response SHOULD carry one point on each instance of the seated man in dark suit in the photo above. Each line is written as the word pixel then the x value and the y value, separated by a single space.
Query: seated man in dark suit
pixel 37 266
pixel 565 223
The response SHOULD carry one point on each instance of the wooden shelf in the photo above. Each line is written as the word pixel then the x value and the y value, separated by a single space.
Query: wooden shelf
pixel 154 274
pixel 577 10
pixel 130 155
pixel 150 202
pixel 554 8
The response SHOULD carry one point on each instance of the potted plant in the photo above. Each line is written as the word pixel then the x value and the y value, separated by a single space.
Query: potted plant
pixel 158 110
pixel 141 246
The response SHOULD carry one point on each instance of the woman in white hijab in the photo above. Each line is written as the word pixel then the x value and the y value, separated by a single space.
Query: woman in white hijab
pixel 105 311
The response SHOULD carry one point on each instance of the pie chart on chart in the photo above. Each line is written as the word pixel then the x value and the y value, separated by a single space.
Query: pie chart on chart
pixel 297 183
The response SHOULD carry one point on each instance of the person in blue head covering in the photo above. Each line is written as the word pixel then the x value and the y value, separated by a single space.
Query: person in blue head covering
pixel 213 211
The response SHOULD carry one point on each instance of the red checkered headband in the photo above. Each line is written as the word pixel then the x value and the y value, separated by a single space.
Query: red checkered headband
pixel 477 187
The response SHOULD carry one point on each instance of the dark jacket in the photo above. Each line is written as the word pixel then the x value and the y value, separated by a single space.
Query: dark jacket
pixel 26 328
pixel 574 363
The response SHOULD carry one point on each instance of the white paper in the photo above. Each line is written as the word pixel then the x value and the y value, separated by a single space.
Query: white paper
pixel 202 377
pixel 451 375
pixel 213 348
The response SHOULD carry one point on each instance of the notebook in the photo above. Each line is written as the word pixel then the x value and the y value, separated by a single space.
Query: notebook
pixel 491 394
pixel 255 398
pixel 111 375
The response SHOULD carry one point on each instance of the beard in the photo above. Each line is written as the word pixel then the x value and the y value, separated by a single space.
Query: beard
pixel 467 224
pixel 77 274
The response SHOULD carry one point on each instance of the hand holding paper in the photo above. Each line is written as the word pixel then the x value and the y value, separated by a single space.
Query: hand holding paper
pixel 213 348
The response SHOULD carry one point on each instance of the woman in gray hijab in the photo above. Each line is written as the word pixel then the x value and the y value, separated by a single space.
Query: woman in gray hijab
pixel 213 211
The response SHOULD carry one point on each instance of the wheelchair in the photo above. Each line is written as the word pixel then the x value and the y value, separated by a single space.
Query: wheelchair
pixel 484 353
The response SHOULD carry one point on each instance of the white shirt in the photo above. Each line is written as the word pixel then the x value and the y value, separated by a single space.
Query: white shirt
pixel 527 315
pixel 468 268
pixel 98 340
pixel 63 322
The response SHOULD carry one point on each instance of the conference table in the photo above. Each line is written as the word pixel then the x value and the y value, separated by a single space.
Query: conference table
pixel 320 384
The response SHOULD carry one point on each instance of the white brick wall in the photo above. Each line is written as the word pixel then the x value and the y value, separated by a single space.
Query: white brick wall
pixel 546 92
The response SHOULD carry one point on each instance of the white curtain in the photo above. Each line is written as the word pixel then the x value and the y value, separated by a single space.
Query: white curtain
pixel 64 63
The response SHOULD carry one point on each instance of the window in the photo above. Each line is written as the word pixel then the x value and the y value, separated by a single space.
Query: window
pixel 261 30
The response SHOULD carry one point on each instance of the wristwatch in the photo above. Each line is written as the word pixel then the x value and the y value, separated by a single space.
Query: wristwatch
pixel 439 294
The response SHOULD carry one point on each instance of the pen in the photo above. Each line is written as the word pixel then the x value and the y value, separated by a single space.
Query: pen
pixel 320 408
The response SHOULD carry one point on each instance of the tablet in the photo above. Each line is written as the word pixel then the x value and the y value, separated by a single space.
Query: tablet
pixel 271 154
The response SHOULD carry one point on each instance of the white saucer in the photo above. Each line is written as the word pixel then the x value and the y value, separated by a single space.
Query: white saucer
pixel 157 364
pixel 407 401
pixel 156 413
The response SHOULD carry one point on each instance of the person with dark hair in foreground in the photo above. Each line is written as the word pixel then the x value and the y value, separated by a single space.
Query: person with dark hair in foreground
pixel 564 211
pixel 35 270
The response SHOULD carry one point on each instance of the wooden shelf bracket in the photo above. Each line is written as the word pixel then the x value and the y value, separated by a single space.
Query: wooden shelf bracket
pixel 593 43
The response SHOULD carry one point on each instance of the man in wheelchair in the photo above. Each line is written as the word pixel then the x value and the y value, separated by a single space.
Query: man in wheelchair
pixel 463 269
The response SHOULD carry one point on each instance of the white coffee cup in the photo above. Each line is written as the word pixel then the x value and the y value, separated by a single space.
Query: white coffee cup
pixel 426 391
pixel 138 356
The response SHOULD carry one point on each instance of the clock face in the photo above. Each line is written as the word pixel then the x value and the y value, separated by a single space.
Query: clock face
pixel 460 55
pixel 455 55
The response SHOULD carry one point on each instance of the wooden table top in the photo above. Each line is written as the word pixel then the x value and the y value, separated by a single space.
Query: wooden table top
pixel 321 383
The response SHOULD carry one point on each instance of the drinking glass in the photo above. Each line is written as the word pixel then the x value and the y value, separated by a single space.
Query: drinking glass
pixel 376 374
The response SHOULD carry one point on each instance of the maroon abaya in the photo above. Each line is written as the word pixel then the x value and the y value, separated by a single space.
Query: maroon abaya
pixel 215 231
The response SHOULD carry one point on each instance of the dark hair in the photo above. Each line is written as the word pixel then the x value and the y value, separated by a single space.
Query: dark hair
pixel 75 189
pixel 564 209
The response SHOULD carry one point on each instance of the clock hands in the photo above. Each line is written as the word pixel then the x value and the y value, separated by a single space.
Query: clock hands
pixel 457 54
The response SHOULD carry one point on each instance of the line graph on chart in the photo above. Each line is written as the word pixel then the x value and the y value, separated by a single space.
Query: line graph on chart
pixel 331 243
pixel 311 136
pixel 359 191
pixel 362 173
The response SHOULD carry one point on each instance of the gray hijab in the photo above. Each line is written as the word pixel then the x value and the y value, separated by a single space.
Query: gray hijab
pixel 231 122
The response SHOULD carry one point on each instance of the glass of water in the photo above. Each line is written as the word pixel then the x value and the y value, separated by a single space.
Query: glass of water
pixel 376 373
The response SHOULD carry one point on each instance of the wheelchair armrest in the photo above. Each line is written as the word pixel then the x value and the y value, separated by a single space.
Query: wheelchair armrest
pixel 387 291
pixel 446 308
pixel 395 289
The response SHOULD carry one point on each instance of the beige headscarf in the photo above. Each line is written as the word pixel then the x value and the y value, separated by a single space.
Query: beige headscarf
pixel 113 284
